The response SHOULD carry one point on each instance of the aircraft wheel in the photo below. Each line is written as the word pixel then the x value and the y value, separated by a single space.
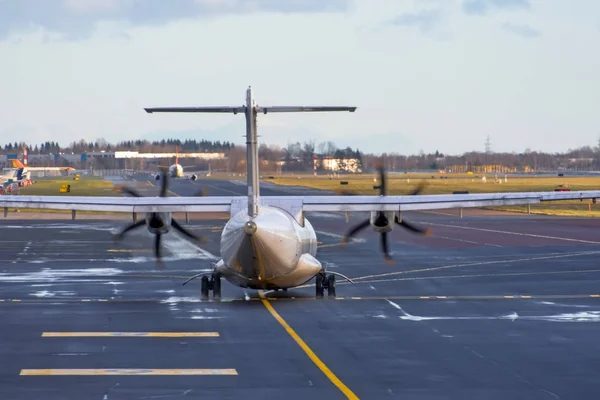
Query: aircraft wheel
pixel 331 285
pixel 204 287
pixel 319 285
pixel 216 286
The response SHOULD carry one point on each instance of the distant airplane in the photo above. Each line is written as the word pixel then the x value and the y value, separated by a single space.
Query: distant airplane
pixel 27 168
pixel 268 243
pixel 16 175
pixel 18 164
pixel 176 170
pixel 12 174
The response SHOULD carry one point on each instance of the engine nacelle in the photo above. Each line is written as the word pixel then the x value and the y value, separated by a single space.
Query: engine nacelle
pixel 158 222
pixel 382 221
pixel 193 177
pixel 157 177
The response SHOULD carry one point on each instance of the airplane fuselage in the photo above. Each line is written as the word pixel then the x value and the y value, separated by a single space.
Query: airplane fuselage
pixel 176 171
pixel 268 251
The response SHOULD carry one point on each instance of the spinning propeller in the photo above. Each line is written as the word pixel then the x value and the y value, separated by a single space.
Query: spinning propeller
pixel 380 220
pixel 158 223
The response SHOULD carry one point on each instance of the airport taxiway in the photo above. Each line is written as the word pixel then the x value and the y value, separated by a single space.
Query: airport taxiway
pixel 490 306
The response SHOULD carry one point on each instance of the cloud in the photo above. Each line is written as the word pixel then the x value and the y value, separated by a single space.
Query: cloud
pixel 76 19
pixel 424 20
pixel 482 7
pixel 91 5
pixel 521 30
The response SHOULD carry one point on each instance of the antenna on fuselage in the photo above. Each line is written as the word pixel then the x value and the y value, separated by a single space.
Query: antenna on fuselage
pixel 251 111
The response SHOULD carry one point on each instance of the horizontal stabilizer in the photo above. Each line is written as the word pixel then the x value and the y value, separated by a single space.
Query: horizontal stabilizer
pixel 217 109
pixel 276 109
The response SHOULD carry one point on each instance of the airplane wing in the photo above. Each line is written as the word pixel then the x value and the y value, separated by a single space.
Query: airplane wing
pixel 438 201
pixel 120 204
pixel 291 203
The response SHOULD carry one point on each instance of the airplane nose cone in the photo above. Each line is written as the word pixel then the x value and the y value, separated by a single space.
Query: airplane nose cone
pixel 250 227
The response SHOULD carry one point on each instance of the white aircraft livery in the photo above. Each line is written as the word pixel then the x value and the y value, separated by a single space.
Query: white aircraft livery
pixel 267 242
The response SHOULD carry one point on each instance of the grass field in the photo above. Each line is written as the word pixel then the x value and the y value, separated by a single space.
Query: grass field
pixel 86 186
pixel 401 184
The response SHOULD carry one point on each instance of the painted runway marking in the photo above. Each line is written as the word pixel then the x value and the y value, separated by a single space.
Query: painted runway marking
pixel 454 239
pixel 321 246
pixel 465 241
pixel 126 371
pixel 478 263
pixel 130 334
pixel 334 379
pixel 512 233
pixel 335 235
pixel 417 278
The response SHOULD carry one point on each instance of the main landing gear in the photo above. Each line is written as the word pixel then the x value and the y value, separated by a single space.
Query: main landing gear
pixel 323 282
pixel 214 284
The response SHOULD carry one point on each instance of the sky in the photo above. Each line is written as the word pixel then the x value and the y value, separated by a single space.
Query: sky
pixel 426 75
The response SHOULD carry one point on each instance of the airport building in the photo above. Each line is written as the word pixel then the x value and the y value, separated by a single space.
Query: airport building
pixel 337 164
pixel 487 168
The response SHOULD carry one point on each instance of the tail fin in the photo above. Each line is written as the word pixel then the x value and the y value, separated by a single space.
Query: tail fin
pixel 17 164
pixel 176 154
pixel 19 174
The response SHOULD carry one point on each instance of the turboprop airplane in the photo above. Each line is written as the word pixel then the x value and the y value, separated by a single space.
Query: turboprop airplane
pixel 16 175
pixel 268 243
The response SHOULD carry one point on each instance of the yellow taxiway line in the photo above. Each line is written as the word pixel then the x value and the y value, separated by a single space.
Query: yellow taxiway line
pixel 130 334
pixel 334 379
pixel 126 371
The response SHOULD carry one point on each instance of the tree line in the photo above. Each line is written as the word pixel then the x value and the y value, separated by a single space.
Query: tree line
pixel 300 157
pixel 83 146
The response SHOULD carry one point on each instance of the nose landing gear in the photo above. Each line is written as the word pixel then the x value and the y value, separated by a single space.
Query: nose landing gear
pixel 214 284
pixel 325 282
